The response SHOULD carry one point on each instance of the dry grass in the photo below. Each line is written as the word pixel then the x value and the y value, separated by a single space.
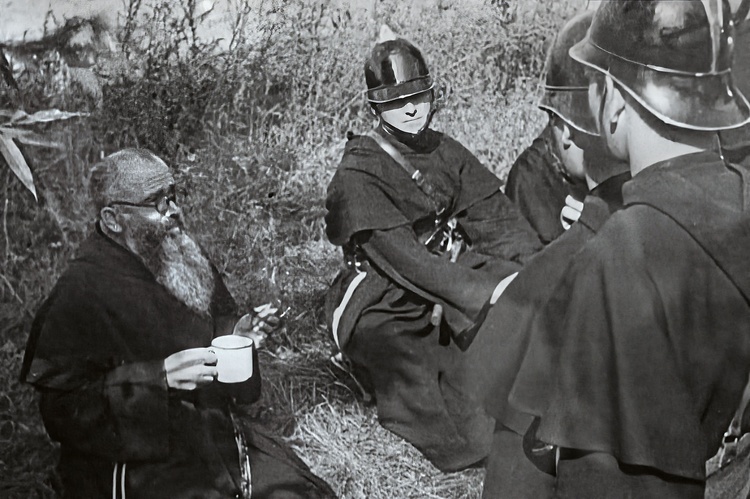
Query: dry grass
pixel 254 135
pixel 345 443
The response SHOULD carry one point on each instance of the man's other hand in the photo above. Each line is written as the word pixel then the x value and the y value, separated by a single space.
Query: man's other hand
pixel 571 212
pixel 189 369
pixel 258 325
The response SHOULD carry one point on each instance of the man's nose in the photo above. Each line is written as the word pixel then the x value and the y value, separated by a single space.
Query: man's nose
pixel 410 109
pixel 174 211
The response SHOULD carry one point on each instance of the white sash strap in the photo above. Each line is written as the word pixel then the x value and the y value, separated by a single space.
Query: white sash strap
pixel 342 306
pixel 501 287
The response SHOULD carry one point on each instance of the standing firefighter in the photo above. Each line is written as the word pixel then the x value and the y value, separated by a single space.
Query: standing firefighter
pixel 644 350
pixel 503 339
pixel 427 236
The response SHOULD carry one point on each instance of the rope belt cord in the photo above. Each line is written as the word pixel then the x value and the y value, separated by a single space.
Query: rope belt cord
pixel 114 481
pixel 119 470
pixel 122 480
pixel 118 478
pixel 244 459
pixel 732 436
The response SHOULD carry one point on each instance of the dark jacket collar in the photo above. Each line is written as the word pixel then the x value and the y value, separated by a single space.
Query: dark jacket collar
pixel 707 198
pixel 100 250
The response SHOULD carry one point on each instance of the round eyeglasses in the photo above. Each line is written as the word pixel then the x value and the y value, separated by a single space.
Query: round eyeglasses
pixel 160 203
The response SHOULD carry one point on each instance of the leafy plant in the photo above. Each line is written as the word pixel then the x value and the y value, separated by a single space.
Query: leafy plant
pixel 16 128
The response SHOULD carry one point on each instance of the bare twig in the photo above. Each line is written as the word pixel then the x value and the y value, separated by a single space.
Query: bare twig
pixel 132 8
pixel 13 292
pixel 5 221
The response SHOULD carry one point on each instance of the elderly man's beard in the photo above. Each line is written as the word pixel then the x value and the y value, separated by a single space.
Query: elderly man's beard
pixel 179 265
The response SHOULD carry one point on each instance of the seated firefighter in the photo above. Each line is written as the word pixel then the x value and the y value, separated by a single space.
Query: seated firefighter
pixel 540 182
pixel 543 189
pixel 119 355
pixel 428 236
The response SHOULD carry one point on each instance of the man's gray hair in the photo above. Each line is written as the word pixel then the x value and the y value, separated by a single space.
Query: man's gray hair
pixel 127 175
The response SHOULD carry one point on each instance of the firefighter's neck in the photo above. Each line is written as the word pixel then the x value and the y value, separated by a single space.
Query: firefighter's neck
pixel 647 146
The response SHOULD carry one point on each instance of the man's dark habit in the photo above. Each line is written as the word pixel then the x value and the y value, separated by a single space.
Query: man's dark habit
pixel 118 354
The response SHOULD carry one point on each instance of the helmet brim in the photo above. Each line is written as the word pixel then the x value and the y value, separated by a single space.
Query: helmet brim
pixel 388 93
pixel 706 102
pixel 572 106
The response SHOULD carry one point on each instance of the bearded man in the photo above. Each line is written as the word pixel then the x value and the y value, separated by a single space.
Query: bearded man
pixel 119 355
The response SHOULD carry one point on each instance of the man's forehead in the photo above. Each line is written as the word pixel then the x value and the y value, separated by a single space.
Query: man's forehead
pixel 157 180
pixel 138 178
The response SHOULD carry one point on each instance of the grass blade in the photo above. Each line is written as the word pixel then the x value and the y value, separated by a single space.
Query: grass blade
pixel 45 116
pixel 17 163
pixel 29 138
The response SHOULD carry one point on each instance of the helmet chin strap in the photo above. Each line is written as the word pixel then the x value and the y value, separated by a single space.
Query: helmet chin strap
pixel 600 117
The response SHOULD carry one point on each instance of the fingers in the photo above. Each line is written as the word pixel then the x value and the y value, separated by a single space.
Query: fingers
pixel 188 369
pixel 574 203
pixel 189 378
pixel 201 373
pixel 244 324
pixel 267 324
pixel 257 326
pixel 568 216
pixel 265 310
pixel 273 320
pixel 261 308
pixel 190 357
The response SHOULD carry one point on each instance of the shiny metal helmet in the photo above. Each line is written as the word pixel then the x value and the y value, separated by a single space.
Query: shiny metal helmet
pixel 741 65
pixel 736 142
pixel 565 82
pixel 394 70
pixel 673 57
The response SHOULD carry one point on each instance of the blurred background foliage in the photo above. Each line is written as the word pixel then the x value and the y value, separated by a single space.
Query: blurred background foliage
pixel 253 126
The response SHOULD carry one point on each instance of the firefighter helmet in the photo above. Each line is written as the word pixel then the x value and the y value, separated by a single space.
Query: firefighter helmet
pixel 565 82
pixel 674 58
pixel 394 70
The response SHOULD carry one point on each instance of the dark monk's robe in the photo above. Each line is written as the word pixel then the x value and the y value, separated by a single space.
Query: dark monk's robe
pixel 502 342
pixel 537 183
pixel 641 356
pixel 96 355
pixel 416 369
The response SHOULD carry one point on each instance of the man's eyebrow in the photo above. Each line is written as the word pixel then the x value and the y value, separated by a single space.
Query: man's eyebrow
pixel 161 192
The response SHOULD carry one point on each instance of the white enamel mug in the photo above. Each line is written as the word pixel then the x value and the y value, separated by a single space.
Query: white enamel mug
pixel 234 354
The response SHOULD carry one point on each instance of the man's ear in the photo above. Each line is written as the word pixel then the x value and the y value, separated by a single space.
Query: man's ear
pixel 566 139
pixel 110 220
pixel 614 106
